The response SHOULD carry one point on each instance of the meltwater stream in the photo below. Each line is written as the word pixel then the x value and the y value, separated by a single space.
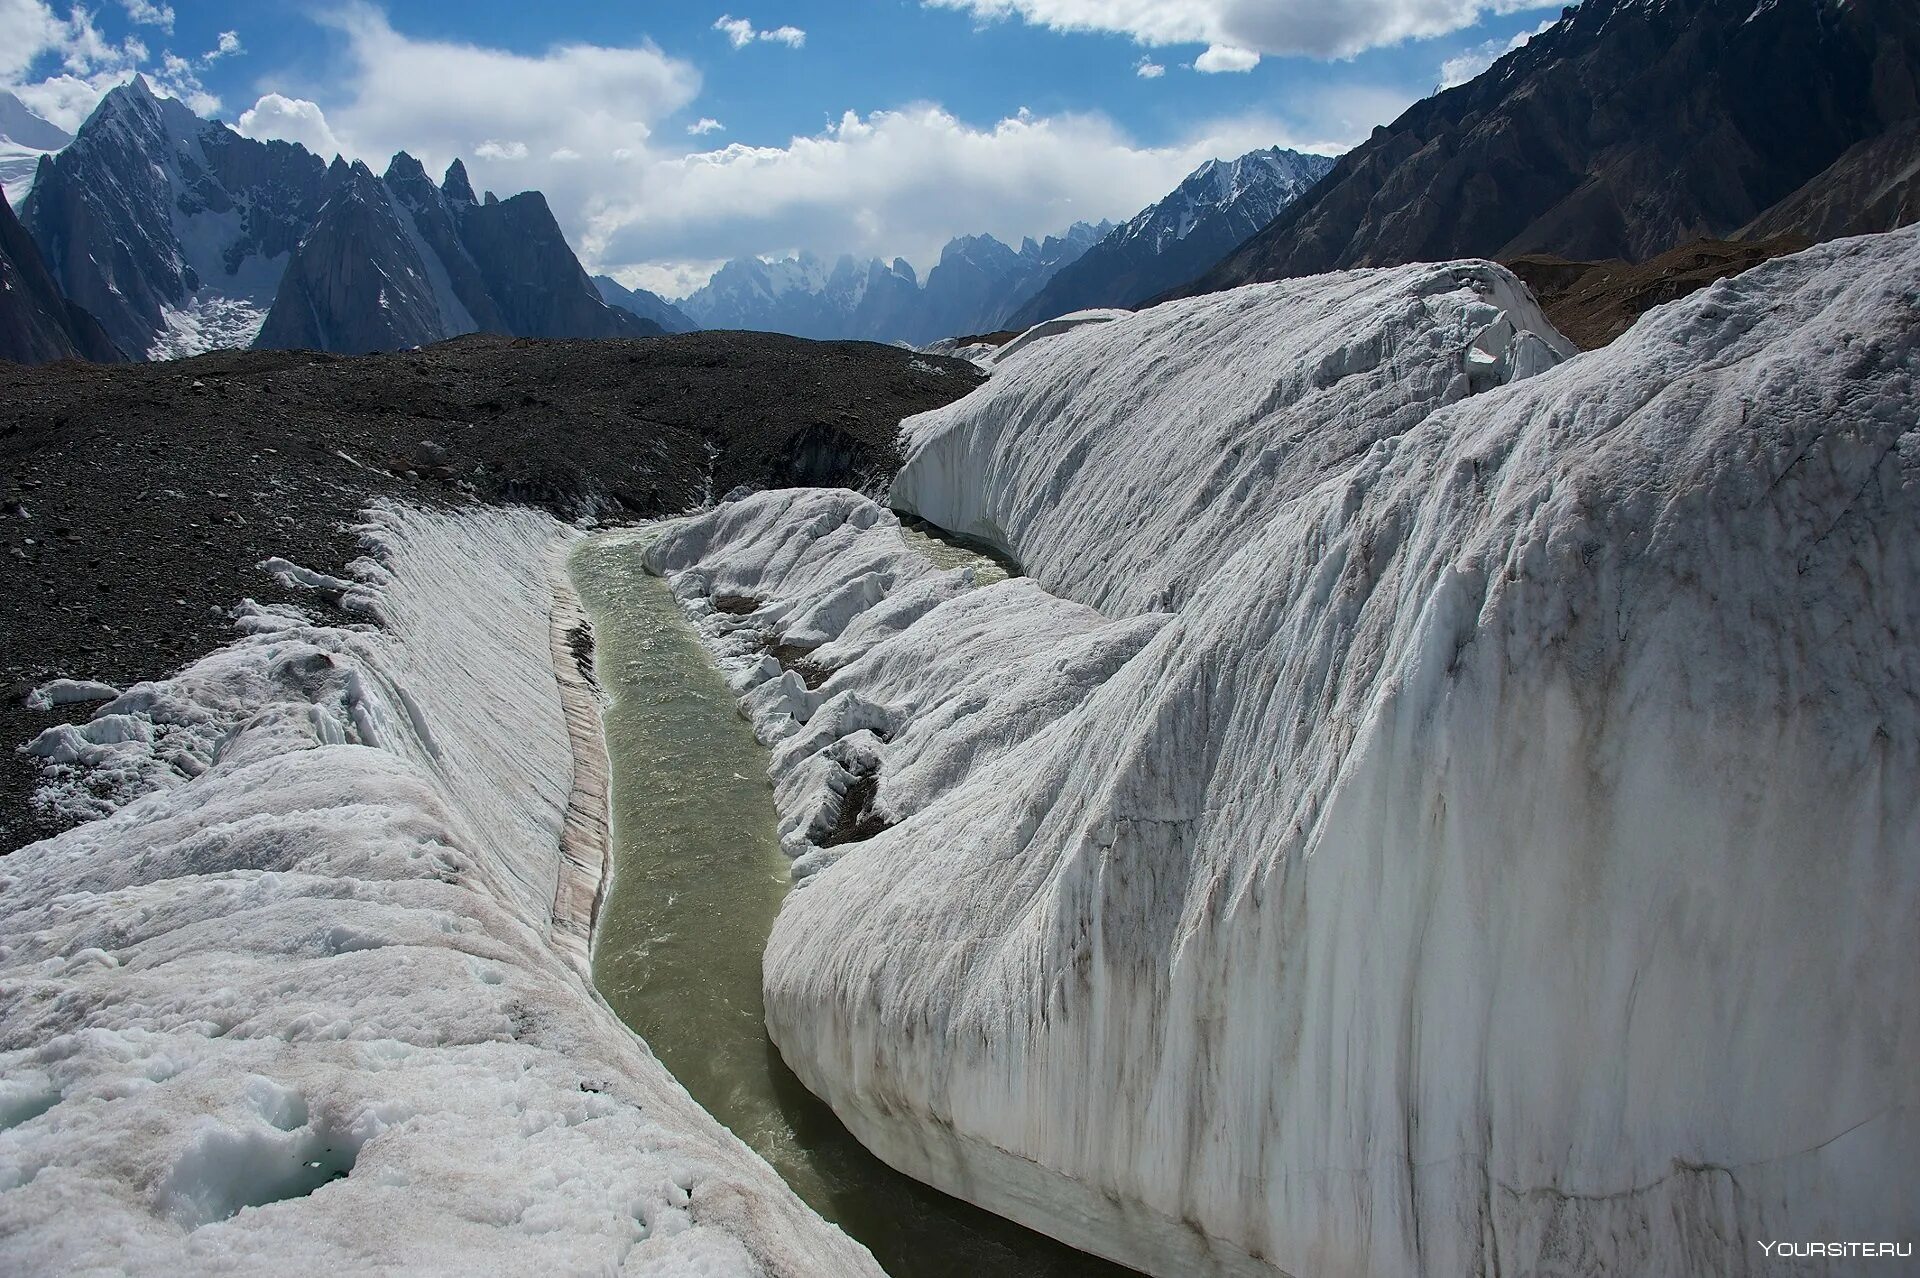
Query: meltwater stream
pixel 698 877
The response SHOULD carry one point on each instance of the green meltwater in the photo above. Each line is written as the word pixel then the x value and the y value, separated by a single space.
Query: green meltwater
pixel 697 880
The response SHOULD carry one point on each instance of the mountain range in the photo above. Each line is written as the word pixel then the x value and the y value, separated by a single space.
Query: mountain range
pixel 1208 215
pixel 396 261
pixel 973 288
pixel 1626 129
pixel 648 306
pixel 180 235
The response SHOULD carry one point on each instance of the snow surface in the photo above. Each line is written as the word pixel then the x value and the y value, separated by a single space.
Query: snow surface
pixel 312 996
pixel 1431 824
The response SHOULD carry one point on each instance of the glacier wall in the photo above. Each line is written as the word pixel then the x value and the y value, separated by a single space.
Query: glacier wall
pixel 1430 810
pixel 312 993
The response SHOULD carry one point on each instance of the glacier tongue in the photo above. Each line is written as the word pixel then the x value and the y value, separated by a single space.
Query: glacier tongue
pixel 1477 837
pixel 313 996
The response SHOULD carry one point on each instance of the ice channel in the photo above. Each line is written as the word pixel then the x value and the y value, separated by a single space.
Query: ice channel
pixel 698 877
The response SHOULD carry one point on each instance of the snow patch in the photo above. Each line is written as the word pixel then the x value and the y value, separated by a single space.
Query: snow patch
pixel 207 322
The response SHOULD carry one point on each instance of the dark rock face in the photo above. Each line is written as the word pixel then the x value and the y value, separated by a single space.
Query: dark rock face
pixel 177 233
pixel 1628 127
pixel 152 213
pixel 136 501
pixel 1166 244
pixel 645 304
pixel 397 262
pixel 532 276
pixel 37 324
pixel 356 283
pixel 1875 186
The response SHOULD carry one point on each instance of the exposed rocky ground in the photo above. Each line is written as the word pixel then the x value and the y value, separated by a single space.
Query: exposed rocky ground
pixel 137 501
pixel 1592 303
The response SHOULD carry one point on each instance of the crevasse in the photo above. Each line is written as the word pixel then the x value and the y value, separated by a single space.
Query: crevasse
pixel 1417 817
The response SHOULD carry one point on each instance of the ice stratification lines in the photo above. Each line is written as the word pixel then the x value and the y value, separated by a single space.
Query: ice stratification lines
pixel 301 998
pixel 1428 810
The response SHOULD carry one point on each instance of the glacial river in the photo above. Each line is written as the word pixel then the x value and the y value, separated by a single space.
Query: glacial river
pixel 698 877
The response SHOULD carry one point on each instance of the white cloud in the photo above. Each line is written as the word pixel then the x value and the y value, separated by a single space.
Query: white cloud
pixel 741 33
pixel 1225 57
pixel 33 37
pixel 440 99
pixel 600 131
pixel 1148 69
pixel 28 29
pixel 147 14
pixel 1321 28
pixel 33 40
pixel 704 125
pixel 1470 62
pixel 291 120
pixel 896 183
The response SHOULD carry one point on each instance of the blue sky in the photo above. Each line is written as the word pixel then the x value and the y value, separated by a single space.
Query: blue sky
pixel 878 127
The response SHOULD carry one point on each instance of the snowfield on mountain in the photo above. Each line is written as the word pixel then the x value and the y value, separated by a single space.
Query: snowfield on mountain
pixel 1432 807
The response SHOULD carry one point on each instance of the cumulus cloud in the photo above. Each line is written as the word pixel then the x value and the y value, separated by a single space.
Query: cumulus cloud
pixel 442 99
pixel 60 66
pixel 34 40
pixel 290 120
pixel 603 132
pixel 147 14
pixel 1320 28
pixel 1148 69
pixel 741 33
pixel 897 183
pixel 1224 57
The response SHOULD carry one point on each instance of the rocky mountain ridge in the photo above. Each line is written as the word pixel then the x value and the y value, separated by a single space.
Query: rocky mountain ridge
pixel 1215 209
pixel 976 284
pixel 1625 129
pixel 181 235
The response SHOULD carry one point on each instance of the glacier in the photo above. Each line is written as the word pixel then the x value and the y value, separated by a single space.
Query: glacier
pixel 312 989
pixel 1435 804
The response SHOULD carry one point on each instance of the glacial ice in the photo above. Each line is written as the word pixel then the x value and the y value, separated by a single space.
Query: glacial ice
pixel 311 994
pixel 1428 810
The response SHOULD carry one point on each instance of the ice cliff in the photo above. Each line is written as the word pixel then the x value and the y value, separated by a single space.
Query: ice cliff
pixel 1428 810
pixel 312 993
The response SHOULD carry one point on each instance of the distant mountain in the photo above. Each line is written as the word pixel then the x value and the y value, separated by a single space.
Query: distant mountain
pixel 977 281
pixel 395 262
pixel 24 138
pixel 1217 207
pixel 170 229
pixel 1625 129
pixel 37 323
pixel 179 234
pixel 648 306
